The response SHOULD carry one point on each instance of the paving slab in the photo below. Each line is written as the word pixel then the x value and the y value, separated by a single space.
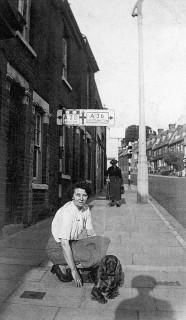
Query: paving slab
pixel 147 260
pixel 7 287
pixel 22 243
pixel 127 248
pixel 26 312
pixel 152 260
pixel 60 295
pixel 155 278
pixel 174 295
pixel 23 254
pixel 23 261
pixel 157 315
pixel 13 272
pixel 163 250
pixel 99 313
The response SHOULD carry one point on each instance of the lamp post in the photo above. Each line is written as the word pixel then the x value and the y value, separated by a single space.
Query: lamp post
pixel 142 176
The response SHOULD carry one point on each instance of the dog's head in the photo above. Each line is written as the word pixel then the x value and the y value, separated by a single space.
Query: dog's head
pixel 109 266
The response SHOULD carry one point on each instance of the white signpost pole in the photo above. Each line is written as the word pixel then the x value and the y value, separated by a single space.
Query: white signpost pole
pixel 142 176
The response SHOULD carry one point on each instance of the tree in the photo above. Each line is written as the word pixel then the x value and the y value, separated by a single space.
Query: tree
pixel 132 133
pixel 174 159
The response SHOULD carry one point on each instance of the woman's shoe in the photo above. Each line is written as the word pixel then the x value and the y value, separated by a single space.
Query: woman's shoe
pixel 112 204
pixel 61 276
pixel 86 277
pixel 69 274
pixel 94 273
pixel 89 275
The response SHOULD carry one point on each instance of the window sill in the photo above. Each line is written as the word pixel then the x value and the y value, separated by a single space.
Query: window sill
pixel 23 40
pixel 39 186
pixel 66 82
pixel 65 176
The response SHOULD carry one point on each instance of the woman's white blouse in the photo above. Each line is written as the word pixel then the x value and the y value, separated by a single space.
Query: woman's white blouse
pixel 69 222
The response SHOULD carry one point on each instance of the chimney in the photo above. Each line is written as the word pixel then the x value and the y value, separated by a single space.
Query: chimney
pixel 160 131
pixel 172 126
pixel 180 128
pixel 151 135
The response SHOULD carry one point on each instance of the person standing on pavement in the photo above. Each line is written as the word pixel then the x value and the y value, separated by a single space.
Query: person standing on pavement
pixel 72 255
pixel 116 183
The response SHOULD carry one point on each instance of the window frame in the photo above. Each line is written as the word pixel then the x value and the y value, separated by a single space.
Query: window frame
pixel 26 16
pixel 88 89
pixel 89 158
pixel 37 152
pixel 65 59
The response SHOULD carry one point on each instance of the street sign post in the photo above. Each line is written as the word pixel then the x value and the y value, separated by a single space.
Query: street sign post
pixel 129 154
pixel 86 117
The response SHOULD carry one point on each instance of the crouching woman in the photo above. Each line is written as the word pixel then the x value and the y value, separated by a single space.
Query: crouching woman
pixel 73 247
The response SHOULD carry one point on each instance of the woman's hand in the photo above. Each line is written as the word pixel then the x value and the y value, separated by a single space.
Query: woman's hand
pixel 70 261
pixel 77 278
pixel 90 233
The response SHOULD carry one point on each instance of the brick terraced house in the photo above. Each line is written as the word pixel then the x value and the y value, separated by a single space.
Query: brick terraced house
pixel 46 64
pixel 173 139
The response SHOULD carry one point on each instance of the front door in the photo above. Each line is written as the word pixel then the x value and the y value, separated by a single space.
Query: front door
pixel 15 151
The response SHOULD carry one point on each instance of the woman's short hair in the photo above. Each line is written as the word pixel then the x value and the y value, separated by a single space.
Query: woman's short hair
pixel 79 185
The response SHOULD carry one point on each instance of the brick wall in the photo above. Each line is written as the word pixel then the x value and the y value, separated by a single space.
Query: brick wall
pixel 43 73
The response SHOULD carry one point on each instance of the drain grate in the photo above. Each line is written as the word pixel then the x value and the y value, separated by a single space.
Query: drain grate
pixel 166 283
pixel 33 295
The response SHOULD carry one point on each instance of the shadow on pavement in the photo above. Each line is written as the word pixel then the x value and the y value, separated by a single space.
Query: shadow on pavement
pixel 143 302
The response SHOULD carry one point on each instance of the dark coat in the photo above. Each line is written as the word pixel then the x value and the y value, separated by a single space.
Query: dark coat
pixel 116 181
pixel 114 172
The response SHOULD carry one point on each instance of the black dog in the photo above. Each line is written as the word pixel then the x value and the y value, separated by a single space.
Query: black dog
pixel 108 280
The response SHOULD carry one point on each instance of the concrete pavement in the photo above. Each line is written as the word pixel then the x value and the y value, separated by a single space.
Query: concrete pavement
pixel 150 244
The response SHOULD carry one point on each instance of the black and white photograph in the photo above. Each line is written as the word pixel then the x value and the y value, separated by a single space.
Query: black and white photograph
pixel 92 159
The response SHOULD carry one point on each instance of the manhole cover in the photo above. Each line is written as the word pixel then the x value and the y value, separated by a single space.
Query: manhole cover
pixel 33 295
pixel 166 283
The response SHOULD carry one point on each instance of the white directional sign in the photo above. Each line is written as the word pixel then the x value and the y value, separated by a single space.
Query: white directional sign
pixel 86 117
pixel 71 118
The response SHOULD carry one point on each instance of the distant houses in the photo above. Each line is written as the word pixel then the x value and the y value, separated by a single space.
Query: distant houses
pixel 171 140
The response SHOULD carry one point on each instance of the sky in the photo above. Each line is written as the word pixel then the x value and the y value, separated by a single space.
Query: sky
pixel 112 33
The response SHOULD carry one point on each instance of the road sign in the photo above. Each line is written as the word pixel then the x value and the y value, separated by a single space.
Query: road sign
pixel 86 117
pixel 71 119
